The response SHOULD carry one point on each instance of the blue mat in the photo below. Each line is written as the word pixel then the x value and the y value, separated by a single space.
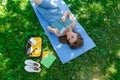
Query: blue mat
pixel 63 50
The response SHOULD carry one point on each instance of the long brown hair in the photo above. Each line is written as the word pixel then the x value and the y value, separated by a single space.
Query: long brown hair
pixel 78 43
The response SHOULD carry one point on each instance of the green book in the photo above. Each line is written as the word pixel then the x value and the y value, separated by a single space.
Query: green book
pixel 48 60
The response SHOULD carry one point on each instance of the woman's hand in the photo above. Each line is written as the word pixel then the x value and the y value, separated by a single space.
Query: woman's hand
pixel 73 25
pixel 70 17
pixel 63 19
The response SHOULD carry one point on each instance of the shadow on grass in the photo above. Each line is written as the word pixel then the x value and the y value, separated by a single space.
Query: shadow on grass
pixel 17 25
pixel 99 18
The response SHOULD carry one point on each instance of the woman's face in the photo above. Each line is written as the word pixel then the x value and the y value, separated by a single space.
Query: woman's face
pixel 71 36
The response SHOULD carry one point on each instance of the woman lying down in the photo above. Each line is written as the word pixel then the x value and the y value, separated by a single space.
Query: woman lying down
pixel 61 23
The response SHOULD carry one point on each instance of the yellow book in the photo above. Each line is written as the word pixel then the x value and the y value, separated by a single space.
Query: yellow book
pixel 44 54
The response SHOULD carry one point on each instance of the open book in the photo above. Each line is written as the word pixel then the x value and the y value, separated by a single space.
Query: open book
pixel 60 25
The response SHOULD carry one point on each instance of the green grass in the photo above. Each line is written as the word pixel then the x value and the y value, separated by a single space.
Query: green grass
pixel 101 20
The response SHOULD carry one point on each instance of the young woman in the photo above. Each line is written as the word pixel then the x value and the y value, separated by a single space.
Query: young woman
pixel 56 16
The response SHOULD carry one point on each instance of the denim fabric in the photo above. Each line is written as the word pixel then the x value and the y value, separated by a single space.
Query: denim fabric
pixel 50 10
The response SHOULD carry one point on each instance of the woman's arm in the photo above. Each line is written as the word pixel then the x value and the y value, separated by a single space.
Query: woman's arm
pixel 53 30
pixel 67 13
pixel 70 28
pixel 72 25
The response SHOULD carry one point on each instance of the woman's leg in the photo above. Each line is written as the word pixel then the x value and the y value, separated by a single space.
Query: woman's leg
pixel 37 1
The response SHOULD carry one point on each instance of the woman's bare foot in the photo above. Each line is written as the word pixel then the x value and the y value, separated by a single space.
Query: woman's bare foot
pixel 37 1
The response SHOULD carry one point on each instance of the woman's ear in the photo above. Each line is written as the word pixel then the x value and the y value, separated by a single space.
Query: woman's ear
pixel 63 39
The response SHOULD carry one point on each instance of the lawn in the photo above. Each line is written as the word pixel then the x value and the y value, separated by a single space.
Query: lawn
pixel 101 20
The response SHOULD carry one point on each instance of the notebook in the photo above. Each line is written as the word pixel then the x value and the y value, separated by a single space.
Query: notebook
pixel 48 60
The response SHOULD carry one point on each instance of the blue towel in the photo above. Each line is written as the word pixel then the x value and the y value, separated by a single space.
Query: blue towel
pixel 63 50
